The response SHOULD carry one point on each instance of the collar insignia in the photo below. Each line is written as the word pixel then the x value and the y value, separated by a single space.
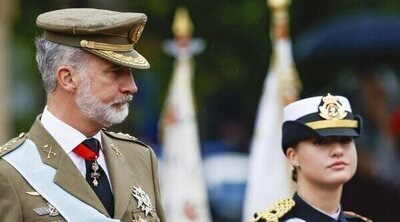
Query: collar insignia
pixel 331 108
pixel 116 150
pixel 143 199
pixel 49 152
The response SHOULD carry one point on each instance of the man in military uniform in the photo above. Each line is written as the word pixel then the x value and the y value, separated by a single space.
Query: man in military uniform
pixel 68 167
pixel 318 139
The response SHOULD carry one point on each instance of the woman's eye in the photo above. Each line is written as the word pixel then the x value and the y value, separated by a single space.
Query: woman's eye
pixel 320 142
pixel 345 140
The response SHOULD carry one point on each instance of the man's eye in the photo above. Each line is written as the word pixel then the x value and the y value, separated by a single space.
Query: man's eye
pixel 116 69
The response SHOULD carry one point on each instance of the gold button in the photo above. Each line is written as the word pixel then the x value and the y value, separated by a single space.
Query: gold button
pixel 84 43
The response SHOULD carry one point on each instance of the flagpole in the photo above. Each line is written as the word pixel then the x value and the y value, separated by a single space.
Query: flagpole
pixel 269 176
pixel 280 33
pixel 183 188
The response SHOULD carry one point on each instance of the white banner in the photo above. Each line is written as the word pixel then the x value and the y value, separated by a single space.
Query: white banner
pixel 269 176
pixel 183 188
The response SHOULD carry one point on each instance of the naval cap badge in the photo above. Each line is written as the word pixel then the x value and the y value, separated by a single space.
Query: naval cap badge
pixel 143 199
pixel 331 108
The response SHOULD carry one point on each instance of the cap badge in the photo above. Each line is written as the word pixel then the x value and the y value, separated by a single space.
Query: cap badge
pixel 135 35
pixel 331 109
pixel 143 199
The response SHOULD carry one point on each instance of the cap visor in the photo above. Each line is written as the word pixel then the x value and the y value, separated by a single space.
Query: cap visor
pixel 347 132
pixel 130 59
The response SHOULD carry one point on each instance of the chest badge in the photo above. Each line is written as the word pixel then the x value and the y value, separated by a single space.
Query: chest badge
pixel 49 210
pixel 143 200
pixel 139 219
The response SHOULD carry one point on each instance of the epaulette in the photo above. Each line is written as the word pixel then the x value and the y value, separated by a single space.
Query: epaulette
pixel 278 210
pixel 125 136
pixel 352 215
pixel 12 144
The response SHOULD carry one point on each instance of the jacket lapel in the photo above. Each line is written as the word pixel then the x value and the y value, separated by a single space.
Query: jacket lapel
pixel 67 175
pixel 121 177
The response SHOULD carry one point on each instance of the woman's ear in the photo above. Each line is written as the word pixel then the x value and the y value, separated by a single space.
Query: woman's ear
pixel 291 154
pixel 65 77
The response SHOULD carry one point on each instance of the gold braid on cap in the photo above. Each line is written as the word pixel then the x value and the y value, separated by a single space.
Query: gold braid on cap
pixel 105 46
pixel 323 124
pixel 278 210
pixel 139 61
pixel 333 113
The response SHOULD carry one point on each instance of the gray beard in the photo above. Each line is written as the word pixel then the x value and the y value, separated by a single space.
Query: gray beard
pixel 103 113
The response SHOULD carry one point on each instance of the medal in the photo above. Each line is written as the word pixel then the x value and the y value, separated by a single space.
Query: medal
pixel 139 219
pixel 90 156
pixel 143 200
pixel 95 175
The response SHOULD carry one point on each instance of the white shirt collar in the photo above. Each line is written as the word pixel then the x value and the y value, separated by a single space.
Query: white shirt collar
pixel 65 135
pixel 334 216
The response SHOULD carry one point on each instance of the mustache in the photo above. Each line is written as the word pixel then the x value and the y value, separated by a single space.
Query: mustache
pixel 125 99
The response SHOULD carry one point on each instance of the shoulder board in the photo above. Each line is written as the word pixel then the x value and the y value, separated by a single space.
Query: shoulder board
pixel 12 144
pixel 278 210
pixel 352 215
pixel 125 136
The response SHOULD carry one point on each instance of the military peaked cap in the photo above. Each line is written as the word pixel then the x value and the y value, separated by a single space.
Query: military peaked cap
pixel 108 34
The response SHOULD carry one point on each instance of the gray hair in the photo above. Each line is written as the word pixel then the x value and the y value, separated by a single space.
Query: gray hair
pixel 50 56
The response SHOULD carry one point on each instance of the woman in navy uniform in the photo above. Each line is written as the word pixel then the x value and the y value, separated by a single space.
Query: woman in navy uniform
pixel 318 139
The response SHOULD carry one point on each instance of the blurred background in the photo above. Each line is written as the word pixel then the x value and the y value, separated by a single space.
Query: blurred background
pixel 346 47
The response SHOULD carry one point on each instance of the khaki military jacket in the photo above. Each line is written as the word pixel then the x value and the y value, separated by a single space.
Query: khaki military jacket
pixel 130 164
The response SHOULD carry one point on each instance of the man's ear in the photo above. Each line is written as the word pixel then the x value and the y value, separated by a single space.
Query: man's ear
pixel 291 154
pixel 66 78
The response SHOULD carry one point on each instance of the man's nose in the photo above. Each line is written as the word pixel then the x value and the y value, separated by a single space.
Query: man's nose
pixel 128 84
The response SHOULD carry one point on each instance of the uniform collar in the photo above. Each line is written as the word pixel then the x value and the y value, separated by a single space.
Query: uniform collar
pixel 306 212
pixel 65 135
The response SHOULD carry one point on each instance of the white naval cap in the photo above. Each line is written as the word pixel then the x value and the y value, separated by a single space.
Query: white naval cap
pixel 317 117
pixel 306 106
